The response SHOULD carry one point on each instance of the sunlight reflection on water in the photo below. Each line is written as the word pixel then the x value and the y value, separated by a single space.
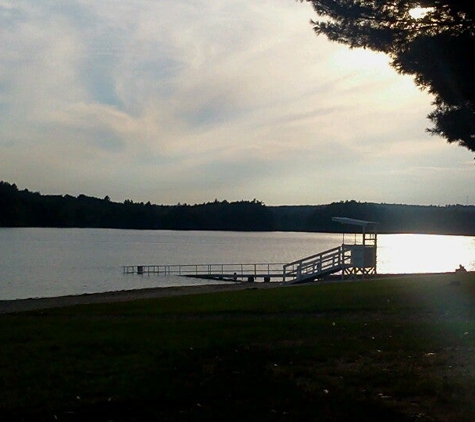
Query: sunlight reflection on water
pixel 417 253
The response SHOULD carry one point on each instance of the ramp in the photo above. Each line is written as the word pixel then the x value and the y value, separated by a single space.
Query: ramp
pixel 316 266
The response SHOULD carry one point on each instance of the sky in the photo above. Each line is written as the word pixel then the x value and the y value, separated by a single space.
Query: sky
pixel 188 101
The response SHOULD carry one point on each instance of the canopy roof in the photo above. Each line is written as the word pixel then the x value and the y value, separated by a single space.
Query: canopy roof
pixel 354 222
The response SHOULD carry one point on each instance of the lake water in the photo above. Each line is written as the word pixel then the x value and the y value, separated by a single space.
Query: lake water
pixel 37 262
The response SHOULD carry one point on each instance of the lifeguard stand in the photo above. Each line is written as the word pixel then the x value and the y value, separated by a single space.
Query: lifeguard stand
pixel 359 257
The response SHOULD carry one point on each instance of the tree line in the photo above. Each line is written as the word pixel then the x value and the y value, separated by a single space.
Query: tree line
pixel 22 208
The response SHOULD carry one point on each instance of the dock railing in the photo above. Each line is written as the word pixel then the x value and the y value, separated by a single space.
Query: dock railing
pixel 230 271
pixel 306 269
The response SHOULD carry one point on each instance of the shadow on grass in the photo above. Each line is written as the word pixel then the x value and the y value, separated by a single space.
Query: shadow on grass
pixel 242 385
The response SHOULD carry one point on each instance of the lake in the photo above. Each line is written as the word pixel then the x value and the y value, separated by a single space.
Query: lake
pixel 48 262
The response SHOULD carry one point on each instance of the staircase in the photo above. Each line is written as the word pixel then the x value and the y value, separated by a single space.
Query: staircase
pixel 317 266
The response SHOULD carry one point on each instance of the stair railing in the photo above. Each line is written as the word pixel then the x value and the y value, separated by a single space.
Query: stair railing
pixel 314 265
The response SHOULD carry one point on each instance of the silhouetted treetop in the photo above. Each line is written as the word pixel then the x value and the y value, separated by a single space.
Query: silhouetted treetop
pixel 432 40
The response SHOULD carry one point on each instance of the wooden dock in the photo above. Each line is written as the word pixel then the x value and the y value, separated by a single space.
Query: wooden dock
pixel 310 268
pixel 225 272
pixel 351 260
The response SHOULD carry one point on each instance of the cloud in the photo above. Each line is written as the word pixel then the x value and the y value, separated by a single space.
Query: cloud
pixel 190 100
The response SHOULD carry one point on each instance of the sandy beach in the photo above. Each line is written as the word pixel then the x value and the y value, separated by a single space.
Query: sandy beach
pixel 23 305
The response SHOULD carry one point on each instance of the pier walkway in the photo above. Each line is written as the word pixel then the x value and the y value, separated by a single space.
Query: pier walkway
pixel 229 272
pixel 306 269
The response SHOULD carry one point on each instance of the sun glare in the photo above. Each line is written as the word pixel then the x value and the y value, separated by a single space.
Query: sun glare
pixel 419 12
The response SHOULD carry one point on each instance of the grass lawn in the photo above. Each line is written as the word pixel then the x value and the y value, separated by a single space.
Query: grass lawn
pixel 397 349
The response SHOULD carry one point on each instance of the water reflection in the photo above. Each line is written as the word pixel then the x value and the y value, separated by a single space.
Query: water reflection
pixel 418 253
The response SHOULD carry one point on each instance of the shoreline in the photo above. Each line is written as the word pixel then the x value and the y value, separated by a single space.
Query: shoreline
pixel 35 304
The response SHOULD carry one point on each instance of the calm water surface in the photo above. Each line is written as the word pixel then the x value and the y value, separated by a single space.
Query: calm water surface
pixel 37 262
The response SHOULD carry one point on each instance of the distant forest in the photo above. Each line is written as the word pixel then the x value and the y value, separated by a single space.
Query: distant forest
pixel 22 208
